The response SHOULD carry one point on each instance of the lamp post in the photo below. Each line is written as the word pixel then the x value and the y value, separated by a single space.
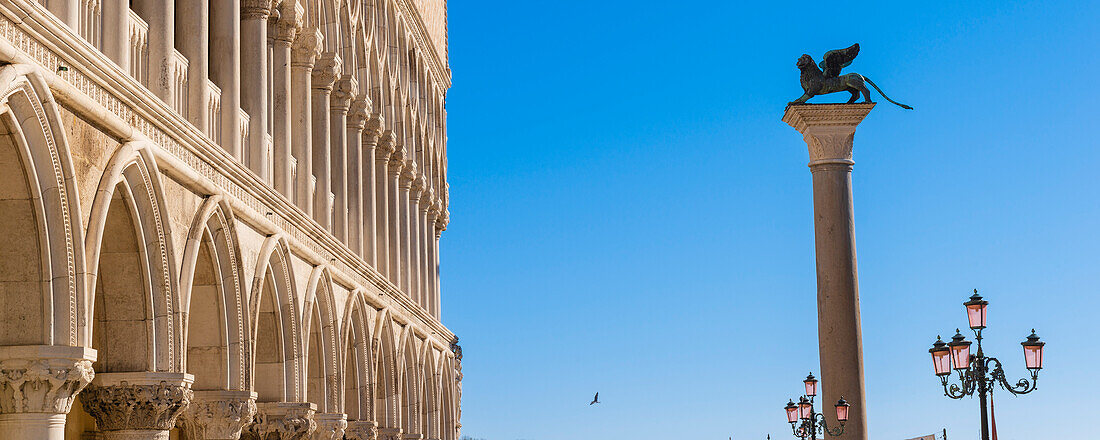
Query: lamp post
pixel 977 372
pixel 813 422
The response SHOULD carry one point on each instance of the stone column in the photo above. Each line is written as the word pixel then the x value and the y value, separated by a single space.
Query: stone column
pixel 133 406
pixel 282 421
pixel 345 90
pixel 440 226
pixel 369 214
pixel 361 430
pixel 416 194
pixel 37 386
pixel 254 85
pixel 829 130
pixel 160 15
pixel 324 75
pixel 285 30
pixel 116 32
pixel 404 248
pixel 194 19
pixel 390 434
pixel 431 212
pixel 396 165
pixel 225 70
pixel 66 10
pixel 218 415
pixel 330 426
pixel 382 155
pixel 357 120
pixel 304 53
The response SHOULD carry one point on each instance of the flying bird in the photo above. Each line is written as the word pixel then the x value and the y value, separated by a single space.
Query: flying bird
pixel 595 399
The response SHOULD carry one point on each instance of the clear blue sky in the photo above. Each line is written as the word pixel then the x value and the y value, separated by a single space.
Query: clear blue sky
pixel 630 216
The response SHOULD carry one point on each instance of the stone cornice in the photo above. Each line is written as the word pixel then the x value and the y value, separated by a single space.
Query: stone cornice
pixel 420 35
pixel 104 95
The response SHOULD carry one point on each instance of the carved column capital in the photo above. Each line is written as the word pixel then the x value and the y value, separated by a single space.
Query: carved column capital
pixel 359 114
pixel 397 161
pixel 427 195
pixel 361 430
pixel 43 378
pixel 386 145
pixel 829 129
pixel 390 434
pixel 286 21
pixel 408 174
pixel 255 9
pixel 419 186
pixel 325 71
pixel 218 415
pixel 282 421
pixel 306 48
pixel 344 91
pixel 144 401
pixel 443 220
pixel 330 426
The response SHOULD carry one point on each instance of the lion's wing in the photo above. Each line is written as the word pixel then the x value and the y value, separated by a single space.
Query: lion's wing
pixel 835 60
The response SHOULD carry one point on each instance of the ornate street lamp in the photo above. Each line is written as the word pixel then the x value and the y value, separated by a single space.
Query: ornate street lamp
pixel 806 422
pixel 977 372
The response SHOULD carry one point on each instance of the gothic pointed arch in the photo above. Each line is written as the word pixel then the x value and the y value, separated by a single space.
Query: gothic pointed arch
pixel 411 385
pixel 387 396
pixel 430 403
pixel 359 365
pixel 43 251
pixel 137 301
pixel 211 286
pixel 449 399
pixel 322 355
pixel 276 341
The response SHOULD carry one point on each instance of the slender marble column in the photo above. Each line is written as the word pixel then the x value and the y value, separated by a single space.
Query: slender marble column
pixel 416 193
pixel 440 226
pixel 218 415
pixel 194 19
pixel 282 421
pixel 67 10
pixel 160 14
pixel 116 32
pixel 371 132
pixel 344 90
pixel 330 426
pixel 357 120
pixel 285 31
pixel 225 69
pixel 133 406
pixel 324 75
pixel 404 185
pixel 427 233
pixel 254 86
pixel 361 430
pixel 304 53
pixel 386 148
pixel 396 165
pixel 39 384
pixel 829 131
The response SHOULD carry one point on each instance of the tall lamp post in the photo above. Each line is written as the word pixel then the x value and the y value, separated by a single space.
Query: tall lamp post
pixel 978 372
pixel 812 421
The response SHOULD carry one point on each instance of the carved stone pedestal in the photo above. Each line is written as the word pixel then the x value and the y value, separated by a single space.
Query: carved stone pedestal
pixel 218 415
pixel 37 386
pixel 390 434
pixel 361 430
pixel 330 426
pixel 829 131
pixel 133 406
pixel 281 421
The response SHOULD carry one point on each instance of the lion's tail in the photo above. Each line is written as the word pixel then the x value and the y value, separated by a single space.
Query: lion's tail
pixel 872 83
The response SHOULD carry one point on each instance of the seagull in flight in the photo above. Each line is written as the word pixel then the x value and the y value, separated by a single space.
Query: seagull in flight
pixel 595 399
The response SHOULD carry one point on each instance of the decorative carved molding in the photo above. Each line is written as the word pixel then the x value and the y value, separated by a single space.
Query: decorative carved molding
pixel 306 47
pixel 361 430
pixel 282 421
pixel 325 71
pixel 330 426
pixel 828 129
pixel 43 378
pixel 218 414
pixel 149 403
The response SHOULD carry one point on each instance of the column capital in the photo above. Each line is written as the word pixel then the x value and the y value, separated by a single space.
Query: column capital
pixel 419 186
pixel 443 220
pixel 390 434
pixel 427 197
pixel 330 426
pixel 828 129
pixel 397 161
pixel 359 114
pixel 142 401
pixel 286 21
pixel 326 71
pixel 408 174
pixel 344 91
pixel 283 420
pixel 361 430
pixel 218 414
pixel 386 140
pixel 255 9
pixel 43 378
pixel 306 47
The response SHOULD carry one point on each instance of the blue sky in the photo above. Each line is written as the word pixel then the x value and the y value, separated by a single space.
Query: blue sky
pixel 630 216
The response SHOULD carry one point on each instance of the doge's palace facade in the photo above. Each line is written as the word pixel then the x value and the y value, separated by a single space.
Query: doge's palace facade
pixel 220 219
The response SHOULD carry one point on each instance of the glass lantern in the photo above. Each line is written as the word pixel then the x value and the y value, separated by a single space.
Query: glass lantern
pixel 975 311
pixel 811 385
pixel 960 351
pixel 792 411
pixel 941 357
pixel 805 408
pixel 842 410
pixel 1033 352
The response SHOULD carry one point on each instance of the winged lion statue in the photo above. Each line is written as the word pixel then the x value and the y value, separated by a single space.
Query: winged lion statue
pixel 827 79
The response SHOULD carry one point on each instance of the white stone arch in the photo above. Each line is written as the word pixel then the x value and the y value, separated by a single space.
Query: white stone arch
pixel 386 392
pixel 322 360
pixel 276 333
pixel 212 287
pixel 411 383
pixel 449 402
pixel 34 141
pixel 130 196
pixel 358 372
pixel 430 405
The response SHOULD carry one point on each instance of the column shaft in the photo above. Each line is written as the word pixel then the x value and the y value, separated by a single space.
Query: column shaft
pixel 194 20
pixel 304 54
pixel 324 74
pixel 285 30
pixel 254 86
pixel 343 92
pixel 357 119
pixel 369 191
pixel 396 164
pixel 225 69
pixel 382 202
pixel 116 32
pixel 160 15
